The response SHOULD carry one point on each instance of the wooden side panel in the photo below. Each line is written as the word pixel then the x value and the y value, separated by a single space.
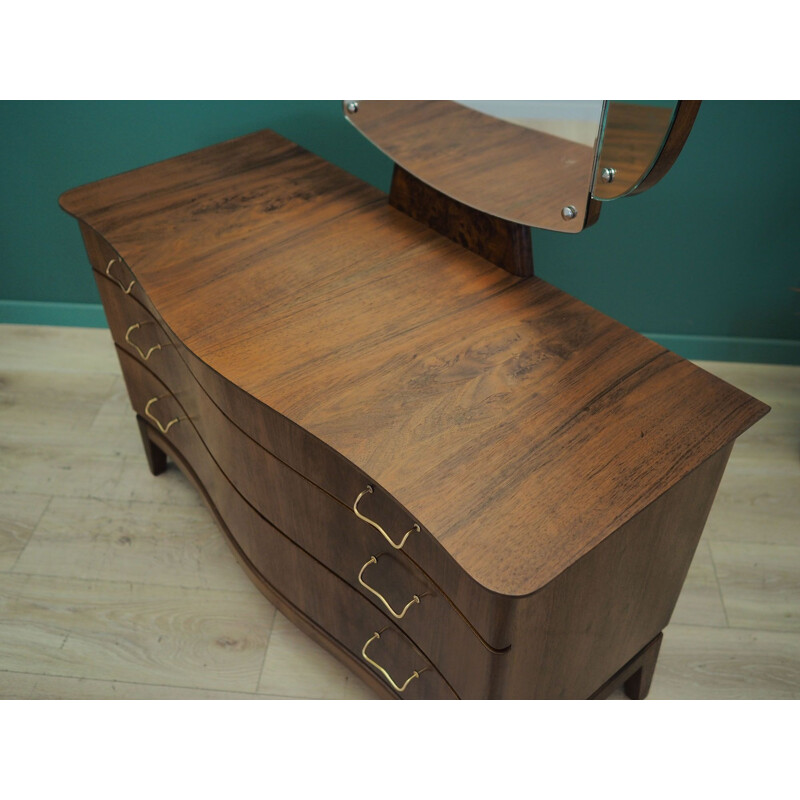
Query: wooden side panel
pixel 578 631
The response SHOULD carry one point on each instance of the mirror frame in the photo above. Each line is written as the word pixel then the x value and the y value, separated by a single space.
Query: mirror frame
pixel 677 133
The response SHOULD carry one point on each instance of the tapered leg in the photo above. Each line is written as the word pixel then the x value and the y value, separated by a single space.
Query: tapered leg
pixel 156 457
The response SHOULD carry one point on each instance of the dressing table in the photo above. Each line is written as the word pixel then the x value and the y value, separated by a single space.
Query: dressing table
pixel 460 480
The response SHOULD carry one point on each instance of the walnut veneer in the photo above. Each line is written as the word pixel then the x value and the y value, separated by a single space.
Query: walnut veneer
pixel 290 339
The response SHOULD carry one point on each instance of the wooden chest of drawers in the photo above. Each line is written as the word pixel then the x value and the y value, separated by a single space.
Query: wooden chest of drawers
pixel 463 483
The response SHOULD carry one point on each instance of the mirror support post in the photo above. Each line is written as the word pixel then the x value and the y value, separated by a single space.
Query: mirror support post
pixel 504 243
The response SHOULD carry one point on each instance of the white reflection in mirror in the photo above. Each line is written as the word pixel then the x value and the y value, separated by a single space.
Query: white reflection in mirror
pixel 574 120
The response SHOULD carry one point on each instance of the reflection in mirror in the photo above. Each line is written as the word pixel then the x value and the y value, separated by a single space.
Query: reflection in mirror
pixel 632 136
pixel 541 163
pixel 529 162
pixel 575 120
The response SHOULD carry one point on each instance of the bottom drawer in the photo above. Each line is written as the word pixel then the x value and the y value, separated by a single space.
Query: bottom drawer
pixel 313 590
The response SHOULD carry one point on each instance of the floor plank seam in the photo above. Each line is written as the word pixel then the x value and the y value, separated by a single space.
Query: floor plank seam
pixel 32 534
pixel 144 684
pixel 246 591
pixel 719 586
pixel 266 648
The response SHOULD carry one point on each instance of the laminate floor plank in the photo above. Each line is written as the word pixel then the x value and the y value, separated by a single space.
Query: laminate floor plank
pixel 756 506
pixel 19 515
pixel 26 686
pixel 700 602
pixel 701 663
pixel 760 584
pixel 297 667
pixel 57 349
pixel 139 633
pixel 140 542
pixel 50 407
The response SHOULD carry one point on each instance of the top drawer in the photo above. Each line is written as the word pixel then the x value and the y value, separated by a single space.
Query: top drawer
pixel 106 261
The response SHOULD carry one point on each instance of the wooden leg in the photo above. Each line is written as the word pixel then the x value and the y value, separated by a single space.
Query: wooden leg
pixel 156 457
pixel 636 676
pixel 638 685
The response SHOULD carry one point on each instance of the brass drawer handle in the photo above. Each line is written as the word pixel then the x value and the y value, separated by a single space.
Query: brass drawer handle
pixel 117 280
pixel 385 674
pixel 142 355
pixel 377 527
pixel 413 601
pixel 157 422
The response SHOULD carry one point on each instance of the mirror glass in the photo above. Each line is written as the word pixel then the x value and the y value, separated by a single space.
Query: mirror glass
pixel 574 120
pixel 631 137
pixel 541 163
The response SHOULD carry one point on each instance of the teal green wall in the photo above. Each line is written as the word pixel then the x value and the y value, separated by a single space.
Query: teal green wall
pixel 704 262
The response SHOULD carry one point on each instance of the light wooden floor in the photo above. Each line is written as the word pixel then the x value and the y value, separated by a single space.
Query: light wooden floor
pixel 115 584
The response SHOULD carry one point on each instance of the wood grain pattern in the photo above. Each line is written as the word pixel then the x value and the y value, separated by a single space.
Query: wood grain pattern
pixel 428 351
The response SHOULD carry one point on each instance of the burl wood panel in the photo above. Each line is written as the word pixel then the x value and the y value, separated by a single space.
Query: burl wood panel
pixel 507 244
pixel 474 398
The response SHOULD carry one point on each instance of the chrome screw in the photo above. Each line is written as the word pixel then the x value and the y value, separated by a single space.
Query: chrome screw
pixel 351 106
pixel 607 174
pixel 569 212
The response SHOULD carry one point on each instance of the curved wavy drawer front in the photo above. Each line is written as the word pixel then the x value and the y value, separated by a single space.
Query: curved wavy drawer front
pixel 263 476
pixel 289 570
pixel 461 483
pixel 321 526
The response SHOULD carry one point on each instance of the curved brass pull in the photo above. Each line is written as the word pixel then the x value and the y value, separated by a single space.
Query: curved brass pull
pixel 117 280
pixel 157 422
pixel 385 674
pixel 413 601
pixel 143 356
pixel 377 527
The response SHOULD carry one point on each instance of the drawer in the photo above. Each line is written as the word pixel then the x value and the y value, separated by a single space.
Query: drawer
pixel 332 534
pixel 327 601
pixel 107 262
pixel 142 336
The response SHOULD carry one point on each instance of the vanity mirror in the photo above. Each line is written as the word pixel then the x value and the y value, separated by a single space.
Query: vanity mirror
pixel 542 163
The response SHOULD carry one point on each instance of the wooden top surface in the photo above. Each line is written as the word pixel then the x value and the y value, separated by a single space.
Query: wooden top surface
pixel 517 424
